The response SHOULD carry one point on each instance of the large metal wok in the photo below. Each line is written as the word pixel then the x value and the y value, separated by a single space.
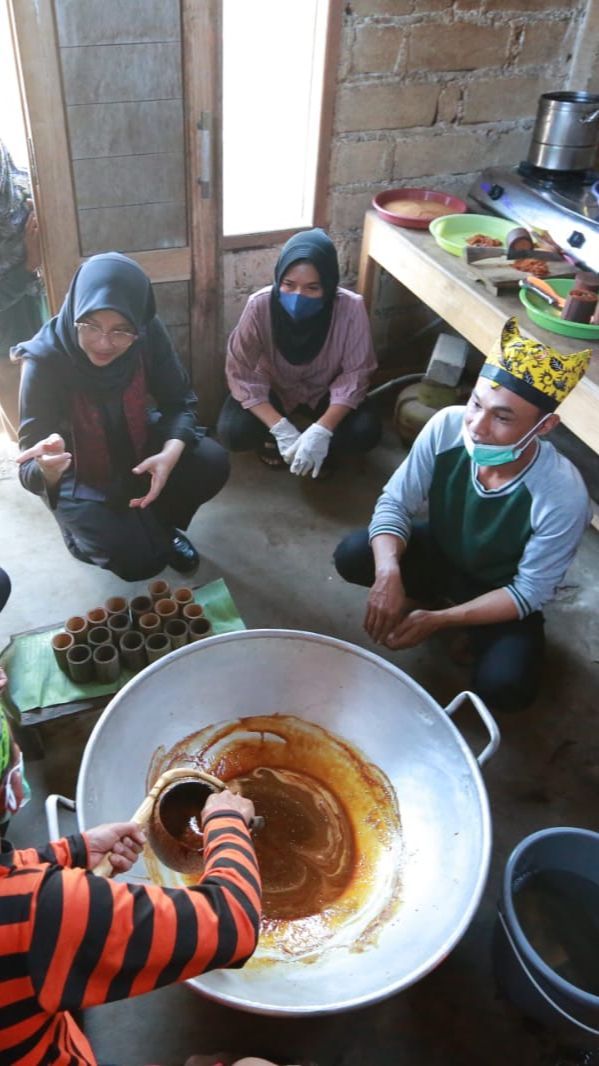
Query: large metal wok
pixel 446 833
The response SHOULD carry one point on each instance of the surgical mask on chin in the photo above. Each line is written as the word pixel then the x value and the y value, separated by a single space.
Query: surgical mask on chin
pixel 12 804
pixel 299 307
pixel 499 454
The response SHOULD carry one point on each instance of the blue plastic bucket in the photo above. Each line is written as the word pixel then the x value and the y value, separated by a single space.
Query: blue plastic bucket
pixel 522 975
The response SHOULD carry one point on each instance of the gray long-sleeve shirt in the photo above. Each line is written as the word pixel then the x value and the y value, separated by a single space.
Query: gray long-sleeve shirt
pixel 521 537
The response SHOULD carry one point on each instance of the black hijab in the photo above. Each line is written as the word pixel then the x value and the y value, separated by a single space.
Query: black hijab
pixel 108 282
pixel 300 342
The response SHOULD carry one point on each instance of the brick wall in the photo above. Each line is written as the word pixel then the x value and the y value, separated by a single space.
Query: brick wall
pixel 430 92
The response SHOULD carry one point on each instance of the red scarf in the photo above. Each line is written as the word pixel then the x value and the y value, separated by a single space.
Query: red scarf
pixel 90 446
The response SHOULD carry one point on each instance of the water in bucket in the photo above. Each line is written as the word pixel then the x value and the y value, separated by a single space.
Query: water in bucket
pixel 558 911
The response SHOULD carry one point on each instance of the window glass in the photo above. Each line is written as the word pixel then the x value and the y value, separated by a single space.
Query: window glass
pixel 273 67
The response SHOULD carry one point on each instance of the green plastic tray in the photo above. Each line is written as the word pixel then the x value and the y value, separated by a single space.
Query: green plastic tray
pixel 452 231
pixel 548 317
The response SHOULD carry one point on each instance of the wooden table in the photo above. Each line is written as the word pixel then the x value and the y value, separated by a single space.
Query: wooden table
pixel 444 283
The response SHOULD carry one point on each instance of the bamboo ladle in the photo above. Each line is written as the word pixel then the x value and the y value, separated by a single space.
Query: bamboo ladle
pixel 153 813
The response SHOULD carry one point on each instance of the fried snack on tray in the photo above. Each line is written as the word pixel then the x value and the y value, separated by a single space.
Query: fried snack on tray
pixel 480 240
pixel 531 266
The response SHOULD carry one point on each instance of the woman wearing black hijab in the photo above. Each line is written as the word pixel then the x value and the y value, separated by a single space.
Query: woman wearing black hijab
pixel 302 346
pixel 122 476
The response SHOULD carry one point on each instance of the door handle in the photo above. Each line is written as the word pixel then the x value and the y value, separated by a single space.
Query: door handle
pixel 204 127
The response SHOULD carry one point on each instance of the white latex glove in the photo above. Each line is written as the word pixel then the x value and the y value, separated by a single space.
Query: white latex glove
pixel 311 450
pixel 286 435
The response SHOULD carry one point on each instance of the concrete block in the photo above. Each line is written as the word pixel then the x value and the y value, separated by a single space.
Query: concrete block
pixel 447 360
pixel 457 152
pixel 449 102
pixel 233 304
pixel 229 271
pixel 504 98
pixel 385 107
pixel 254 268
pixel 376 49
pixel 456 46
pixel 380 7
pixel 544 42
pixel 348 209
pixel 523 6
pixel 348 254
pixel 361 161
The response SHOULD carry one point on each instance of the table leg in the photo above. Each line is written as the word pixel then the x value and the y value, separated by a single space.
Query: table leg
pixel 368 267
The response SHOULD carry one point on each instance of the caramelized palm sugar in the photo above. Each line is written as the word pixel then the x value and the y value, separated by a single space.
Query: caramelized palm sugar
pixel 480 240
pixel 580 305
pixel 536 267
pixel 330 851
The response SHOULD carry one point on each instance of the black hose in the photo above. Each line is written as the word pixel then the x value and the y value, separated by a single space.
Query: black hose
pixel 405 379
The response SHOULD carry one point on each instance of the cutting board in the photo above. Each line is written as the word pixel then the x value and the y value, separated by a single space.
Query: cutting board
pixel 499 275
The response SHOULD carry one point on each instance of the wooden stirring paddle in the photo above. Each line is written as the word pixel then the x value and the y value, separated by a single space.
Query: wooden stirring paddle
pixel 143 813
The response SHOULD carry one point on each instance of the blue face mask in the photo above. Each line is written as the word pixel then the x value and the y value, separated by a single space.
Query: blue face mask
pixel 299 307
pixel 499 454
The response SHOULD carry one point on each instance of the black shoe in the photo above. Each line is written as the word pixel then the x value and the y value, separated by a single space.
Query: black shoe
pixel 183 556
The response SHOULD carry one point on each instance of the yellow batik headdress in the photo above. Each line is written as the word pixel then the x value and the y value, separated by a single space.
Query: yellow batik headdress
pixel 534 371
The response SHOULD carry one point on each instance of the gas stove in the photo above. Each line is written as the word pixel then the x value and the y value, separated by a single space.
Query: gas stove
pixel 564 203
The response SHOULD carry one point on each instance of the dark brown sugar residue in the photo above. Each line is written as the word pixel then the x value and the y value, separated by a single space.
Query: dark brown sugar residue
pixel 306 849
pixel 181 811
pixel 329 853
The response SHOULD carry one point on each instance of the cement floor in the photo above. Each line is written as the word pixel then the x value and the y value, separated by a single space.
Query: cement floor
pixel 271 537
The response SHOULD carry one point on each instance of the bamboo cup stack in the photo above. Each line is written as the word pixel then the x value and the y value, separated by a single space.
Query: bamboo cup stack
pixel 130 634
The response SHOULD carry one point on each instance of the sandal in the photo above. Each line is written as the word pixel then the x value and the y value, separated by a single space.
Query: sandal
pixel 269 454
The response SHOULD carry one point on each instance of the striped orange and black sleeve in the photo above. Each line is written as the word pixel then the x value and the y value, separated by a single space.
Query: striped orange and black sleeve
pixel 96 940
pixel 69 851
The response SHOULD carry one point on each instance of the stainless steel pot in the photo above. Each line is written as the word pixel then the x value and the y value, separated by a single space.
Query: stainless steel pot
pixel 446 831
pixel 566 131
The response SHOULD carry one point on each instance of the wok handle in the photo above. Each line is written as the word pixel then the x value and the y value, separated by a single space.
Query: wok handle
pixel 53 802
pixel 487 719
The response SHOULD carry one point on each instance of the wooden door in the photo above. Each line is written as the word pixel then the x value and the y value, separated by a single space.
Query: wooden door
pixel 120 100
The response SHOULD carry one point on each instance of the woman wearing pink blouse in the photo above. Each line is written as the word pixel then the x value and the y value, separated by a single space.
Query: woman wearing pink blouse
pixel 301 347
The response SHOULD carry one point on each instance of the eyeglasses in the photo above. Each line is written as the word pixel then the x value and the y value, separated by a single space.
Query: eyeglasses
pixel 118 338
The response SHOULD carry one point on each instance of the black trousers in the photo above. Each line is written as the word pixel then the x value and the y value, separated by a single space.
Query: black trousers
pixel 508 656
pixel 4 588
pixel 240 431
pixel 132 543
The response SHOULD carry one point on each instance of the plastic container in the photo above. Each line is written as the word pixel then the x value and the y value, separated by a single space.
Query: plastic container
pixel 414 213
pixel 550 318
pixel 523 975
